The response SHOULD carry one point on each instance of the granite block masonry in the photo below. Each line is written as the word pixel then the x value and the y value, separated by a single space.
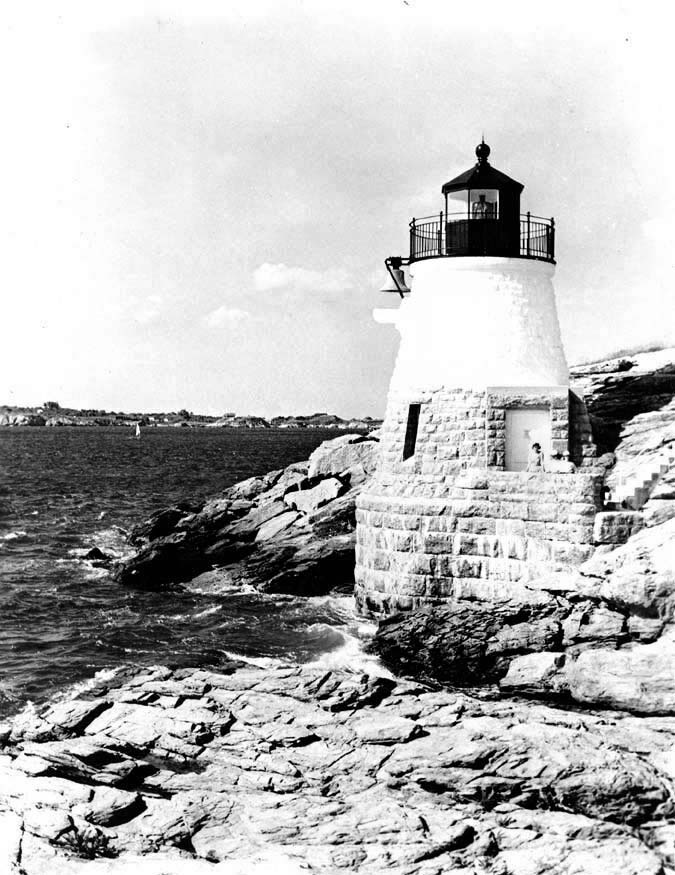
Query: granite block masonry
pixel 475 536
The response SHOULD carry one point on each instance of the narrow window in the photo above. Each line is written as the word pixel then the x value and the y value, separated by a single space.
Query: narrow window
pixel 411 430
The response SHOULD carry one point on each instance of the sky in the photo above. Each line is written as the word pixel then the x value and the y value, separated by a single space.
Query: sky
pixel 198 198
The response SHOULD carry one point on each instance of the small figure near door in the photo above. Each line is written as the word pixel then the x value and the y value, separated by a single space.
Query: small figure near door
pixel 535 460
pixel 559 465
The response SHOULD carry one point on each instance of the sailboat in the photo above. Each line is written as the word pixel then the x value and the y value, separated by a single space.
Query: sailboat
pixel 138 430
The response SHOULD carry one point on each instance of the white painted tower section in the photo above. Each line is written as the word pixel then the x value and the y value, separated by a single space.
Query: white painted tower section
pixel 474 322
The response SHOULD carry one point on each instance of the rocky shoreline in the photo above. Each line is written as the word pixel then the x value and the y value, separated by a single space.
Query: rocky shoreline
pixel 299 769
pixel 530 734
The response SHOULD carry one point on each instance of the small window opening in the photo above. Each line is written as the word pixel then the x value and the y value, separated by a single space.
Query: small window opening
pixel 411 431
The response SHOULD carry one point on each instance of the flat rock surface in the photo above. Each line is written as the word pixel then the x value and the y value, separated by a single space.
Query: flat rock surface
pixel 298 769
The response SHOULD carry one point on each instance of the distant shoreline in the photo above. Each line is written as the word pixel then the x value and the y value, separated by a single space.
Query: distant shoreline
pixel 54 416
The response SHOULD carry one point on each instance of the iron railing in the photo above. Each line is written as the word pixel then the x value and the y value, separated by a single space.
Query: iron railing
pixel 446 235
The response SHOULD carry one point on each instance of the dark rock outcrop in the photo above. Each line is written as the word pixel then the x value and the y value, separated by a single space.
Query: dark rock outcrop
pixel 289 531
pixel 466 643
pixel 617 390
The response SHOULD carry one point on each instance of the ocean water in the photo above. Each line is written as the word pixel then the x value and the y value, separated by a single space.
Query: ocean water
pixel 66 490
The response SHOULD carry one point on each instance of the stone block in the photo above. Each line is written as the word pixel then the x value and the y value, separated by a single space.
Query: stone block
pixel 537 530
pixel 546 512
pixel 410 585
pixel 467 566
pixel 421 563
pixel 488 545
pixel 513 510
pixel 435 543
pixel 581 509
pixel 510 527
pixel 470 508
pixel 553 531
pixel 379 560
pixel 570 554
pixel 464 544
pixel 476 525
pixel 580 534
pixel 439 588
pixel 539 550
pixel 615 527
pixel 441 524
pixel 512 547
pixel 505 569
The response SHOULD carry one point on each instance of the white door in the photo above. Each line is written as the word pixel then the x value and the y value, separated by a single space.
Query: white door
pixel 526 426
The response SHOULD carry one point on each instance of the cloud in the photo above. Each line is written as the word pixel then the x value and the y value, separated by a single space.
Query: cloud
pixel 226 316
pixel 660 229
pixel 279 277
pixel 150 310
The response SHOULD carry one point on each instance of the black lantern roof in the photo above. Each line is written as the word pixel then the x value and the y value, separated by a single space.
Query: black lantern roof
pixel 482 175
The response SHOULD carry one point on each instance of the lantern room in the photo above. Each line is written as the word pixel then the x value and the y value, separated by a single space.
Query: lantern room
pixel 482 210
pixel 481 216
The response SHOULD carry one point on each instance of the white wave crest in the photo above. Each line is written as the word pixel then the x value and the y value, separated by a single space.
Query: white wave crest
pixel 258 661
pixel 14 536
pixel 352 656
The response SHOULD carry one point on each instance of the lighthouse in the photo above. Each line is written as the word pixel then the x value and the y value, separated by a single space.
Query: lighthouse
pixel 486 471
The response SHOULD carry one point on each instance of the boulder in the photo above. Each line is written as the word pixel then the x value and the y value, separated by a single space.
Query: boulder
pixel 98 558
pixel 308 567
pixel 640 678
pixel 355 452
pixel 109 805
pixel 588 623
pixel 309 500
pixel 163 522
pixel 253 486
pixel 275 526
pixel 533 673
pixel 248 526
pixel 637 577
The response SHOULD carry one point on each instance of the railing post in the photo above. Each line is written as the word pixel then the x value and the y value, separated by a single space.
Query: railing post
pixel 412 238
pixel 528 233
pixel 552 252
pixel 440 229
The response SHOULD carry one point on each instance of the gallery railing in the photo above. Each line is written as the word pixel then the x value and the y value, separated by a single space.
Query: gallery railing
pixel 447 235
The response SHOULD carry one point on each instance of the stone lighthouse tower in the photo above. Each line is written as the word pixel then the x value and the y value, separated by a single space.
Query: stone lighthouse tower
pixel 479 379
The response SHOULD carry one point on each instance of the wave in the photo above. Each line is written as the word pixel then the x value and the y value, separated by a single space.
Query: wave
pixel 14 536
pixel 351 655
pixel 258 661
pixel 85 569
pixel 70 691
pixel 212 609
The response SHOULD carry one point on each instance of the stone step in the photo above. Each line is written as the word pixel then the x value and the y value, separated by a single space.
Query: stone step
pixel 636 490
